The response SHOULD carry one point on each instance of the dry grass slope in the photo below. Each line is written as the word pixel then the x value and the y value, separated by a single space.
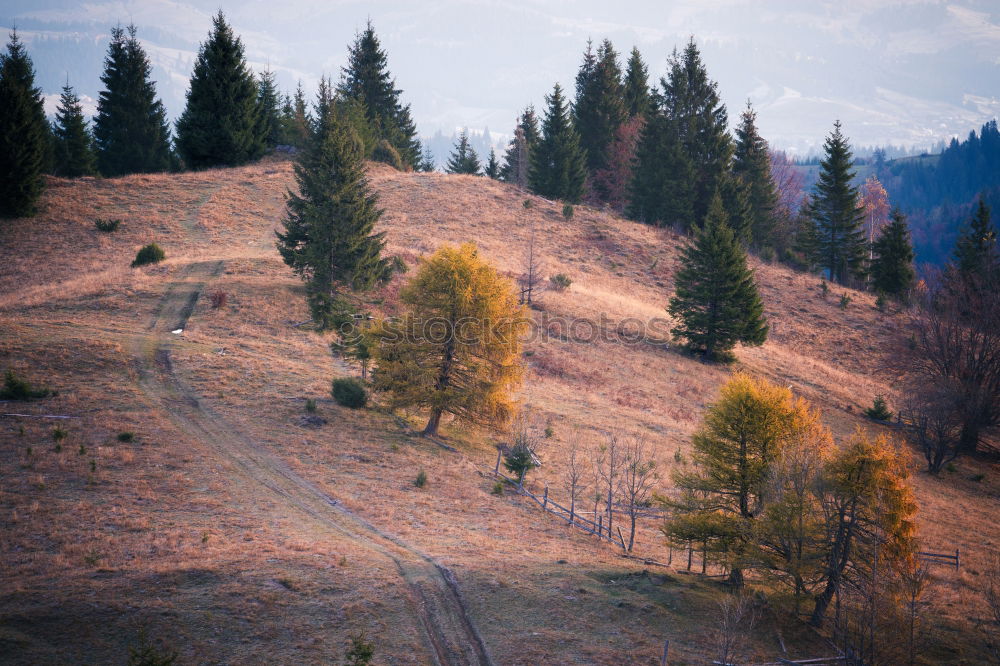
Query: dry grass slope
pixel 166 533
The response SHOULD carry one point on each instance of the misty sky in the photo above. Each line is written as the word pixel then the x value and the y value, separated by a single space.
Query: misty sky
pixel 907 72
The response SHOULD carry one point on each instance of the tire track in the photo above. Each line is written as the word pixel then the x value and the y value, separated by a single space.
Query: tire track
pixel 450 636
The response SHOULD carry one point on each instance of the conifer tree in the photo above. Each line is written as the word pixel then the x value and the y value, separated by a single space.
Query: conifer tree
pixel 423 360
pixel 837 214
pixel 427 163
pixel 74 146
pixel 328 239
pixel 692 100
pixel 24 133
pixel 463 159
pixel 492 168
pixel 130 129
pixel 716 303
pixel 518 155
pixel 752 166
pixel 366 78
pixel 558 167
pixel 735 193
pixel 295 120
pixel 976 256
pixel 892 264
pixel 220 125
pixel 661 190
pixel 636 87
pixel 269 111
pixel 599 109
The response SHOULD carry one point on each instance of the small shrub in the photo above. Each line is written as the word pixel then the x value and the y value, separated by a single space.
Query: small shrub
pixel 58 434
pixel 93 466
pixel 361 652
pixel 824 289
pixel 977 477
pixel 950 468
pixel 421 479
pixel 149 254
pixel 146 654
pixel 568 211
pixel 678 457
pixel 768 254
pixel 126 437
pixel 311 406
pixel 845 300
pixel 881 302
pixel 549 432
pixel 219 299
pixel 108 225
pixel 386 153
pixel 348 392
pixel 527 203
pixel 560 282
pixel 16 388
pixel 83 450
pixel 497 488
pixel 878 411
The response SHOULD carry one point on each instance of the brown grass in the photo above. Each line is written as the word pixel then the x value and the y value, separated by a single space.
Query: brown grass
pixel 164 535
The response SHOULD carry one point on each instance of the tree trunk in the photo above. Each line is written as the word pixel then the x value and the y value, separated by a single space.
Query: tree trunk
pixel 432 424
pixel 969 439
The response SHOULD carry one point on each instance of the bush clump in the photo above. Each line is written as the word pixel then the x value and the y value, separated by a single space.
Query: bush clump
pixel 107 225
pixel 560 282
pixel 348 392
pixel 568 211
pixel 17 388
pixel 386 153
pixel 126 437
pixel 149 254
pixel 421 479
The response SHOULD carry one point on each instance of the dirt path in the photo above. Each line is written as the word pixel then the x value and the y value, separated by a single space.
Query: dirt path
pixel 449 635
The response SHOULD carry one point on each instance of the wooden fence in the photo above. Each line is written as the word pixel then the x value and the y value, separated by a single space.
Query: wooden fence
pixel 941 558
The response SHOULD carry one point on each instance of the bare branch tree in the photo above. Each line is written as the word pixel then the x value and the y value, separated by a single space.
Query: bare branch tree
pixel 990 625
pixel 574 477
pixel 531 279
pixel 935 420
pixel 609 474
pixel 737 616
pixel 638 478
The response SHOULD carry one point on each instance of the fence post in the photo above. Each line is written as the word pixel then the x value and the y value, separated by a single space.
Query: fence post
pixel 545 498
pixel 704 560
pixel 666 648
pixel 622 539
pixel 496 468
pixel 956 559
pixel 600 526
pixel 670 555
pixel 690 551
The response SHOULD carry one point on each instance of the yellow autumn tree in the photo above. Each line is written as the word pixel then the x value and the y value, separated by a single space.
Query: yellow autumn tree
pixel 743 433
pixel 457 348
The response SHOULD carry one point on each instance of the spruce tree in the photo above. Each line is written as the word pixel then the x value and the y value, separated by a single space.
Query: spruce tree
pixel 837 214
pixel 24 133
pixel 220 126
pixel 557 165
pixel 427 163
pixel 976 256
pixel 130 129
pixel 74 146
pixel 463 159
pixel 661 189
pixel 636 87
pixel 692 100
pixel 518 155
pixel 328 238
pixel 892 263
pixel 716 303
pixel 599 109
pixel 366 78
pixel 269 111
pixel 752 166
pixel 492 168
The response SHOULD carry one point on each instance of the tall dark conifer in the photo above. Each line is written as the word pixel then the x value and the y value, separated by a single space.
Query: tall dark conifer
pixel 518 156
pixel 837 214
pixel 463 159
pixel 661 191
pixel 692 100
pixel 220 124
pixel 752 166
pixel 892 258
pixel 366 78
pixel 976 255
pixel 492 168
pixel 269 110
pixel 558 167
pixel 130 129
pixel 636 86
pixel 73 145
pixel 328 238
pixel 599 109
pixel 716 303
pixel 24 133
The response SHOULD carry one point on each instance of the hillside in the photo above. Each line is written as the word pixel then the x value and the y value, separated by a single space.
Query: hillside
pixel 238 528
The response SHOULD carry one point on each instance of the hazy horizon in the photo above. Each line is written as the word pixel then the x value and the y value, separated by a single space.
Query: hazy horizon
pixel 903 72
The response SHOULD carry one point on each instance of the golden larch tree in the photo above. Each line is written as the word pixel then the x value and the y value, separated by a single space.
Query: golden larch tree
pixel 457 348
